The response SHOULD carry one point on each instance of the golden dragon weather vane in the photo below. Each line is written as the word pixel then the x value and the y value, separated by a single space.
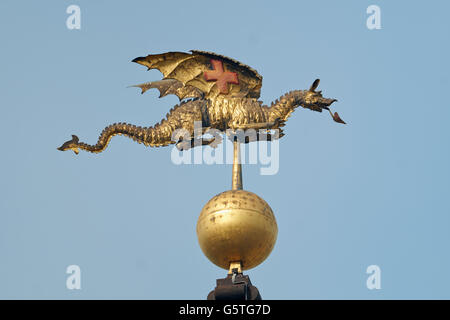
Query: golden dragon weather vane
pixel 224 96
pixel 236 229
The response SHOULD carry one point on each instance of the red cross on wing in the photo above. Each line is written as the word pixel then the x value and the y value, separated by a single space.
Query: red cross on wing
pixel 221 77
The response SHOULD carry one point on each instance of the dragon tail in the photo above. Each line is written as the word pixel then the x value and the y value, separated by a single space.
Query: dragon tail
pixel 157 136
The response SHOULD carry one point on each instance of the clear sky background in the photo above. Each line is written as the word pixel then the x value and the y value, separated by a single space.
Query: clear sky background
pixel 373 192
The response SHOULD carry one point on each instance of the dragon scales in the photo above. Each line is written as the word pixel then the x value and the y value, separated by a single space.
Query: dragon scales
pixel 217 91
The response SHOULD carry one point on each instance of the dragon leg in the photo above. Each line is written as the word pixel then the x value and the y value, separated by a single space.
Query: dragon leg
pixel 260 136
pixel 198 141
pixel 260 125
pixel 262 131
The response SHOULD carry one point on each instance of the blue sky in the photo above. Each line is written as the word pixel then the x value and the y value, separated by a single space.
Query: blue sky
pixel 346 197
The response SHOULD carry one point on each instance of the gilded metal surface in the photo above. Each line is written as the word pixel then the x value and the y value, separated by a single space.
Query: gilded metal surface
pixel 225 96
pixel 235 265
pixel 237 225
pixel 236 183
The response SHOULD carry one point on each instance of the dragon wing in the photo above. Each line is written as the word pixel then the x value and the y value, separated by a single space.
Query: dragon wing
pixel 171 86
pixel 201 73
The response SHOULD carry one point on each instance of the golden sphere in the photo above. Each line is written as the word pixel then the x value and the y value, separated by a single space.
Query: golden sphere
pixel 237 225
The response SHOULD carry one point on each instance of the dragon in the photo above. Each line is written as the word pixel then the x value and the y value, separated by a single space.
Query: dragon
pixel 220 92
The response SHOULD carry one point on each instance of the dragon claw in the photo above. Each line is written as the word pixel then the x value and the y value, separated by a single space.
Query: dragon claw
pixel 183 145
pixel 278 123
pixel 215 142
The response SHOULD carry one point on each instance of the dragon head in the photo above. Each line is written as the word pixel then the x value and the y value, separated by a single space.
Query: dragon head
pixel 70 145
pixel 315 101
